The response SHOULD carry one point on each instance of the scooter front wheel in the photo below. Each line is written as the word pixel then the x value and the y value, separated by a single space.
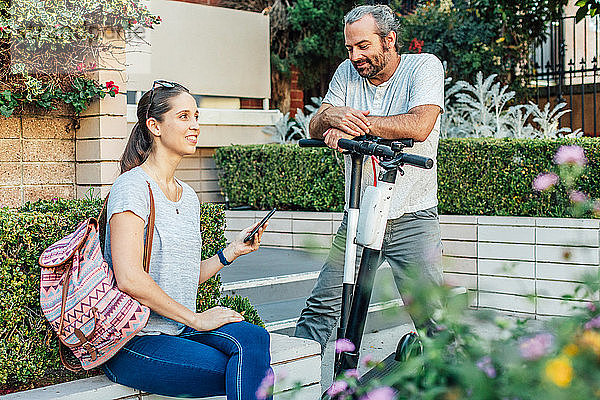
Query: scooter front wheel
pixel 409 346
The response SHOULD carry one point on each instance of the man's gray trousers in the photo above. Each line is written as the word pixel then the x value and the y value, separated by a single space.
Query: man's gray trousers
pixel 411 240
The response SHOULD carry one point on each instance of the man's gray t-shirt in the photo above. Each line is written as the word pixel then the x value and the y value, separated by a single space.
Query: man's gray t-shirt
pixel 418 80
pixel 176 245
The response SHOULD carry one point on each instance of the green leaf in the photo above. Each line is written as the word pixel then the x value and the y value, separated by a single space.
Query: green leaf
pixel 581 13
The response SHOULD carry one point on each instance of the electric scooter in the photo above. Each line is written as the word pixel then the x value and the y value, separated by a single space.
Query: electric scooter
pixel 366 223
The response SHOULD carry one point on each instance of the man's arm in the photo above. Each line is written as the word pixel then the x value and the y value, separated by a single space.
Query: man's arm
pixel 348 120
pixel 417 124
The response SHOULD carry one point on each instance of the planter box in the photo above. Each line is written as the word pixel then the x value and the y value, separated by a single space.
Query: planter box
pixel 515 264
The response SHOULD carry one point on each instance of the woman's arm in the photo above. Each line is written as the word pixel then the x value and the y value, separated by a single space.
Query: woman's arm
pixel 127 238
pixel 210 266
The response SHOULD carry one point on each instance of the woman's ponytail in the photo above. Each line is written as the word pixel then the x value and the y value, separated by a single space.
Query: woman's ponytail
pixel 138 148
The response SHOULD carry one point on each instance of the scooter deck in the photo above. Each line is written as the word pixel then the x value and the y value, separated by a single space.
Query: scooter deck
pixel 388 366
pixel 409 345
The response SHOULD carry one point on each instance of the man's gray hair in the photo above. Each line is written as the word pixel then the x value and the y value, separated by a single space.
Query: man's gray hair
pixel 384 17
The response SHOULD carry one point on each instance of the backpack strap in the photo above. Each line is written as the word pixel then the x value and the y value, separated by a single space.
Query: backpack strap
pixel 149 232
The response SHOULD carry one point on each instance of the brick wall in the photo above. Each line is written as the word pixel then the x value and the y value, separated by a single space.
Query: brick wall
pixel 200 172
pixel 37 159
pixel 296 93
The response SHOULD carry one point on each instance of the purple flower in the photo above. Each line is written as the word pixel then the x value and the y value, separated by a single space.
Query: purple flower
pixel 485 364
pixel 344 345
pixel 266 386
pixel 594 323
pixel 536 347
pixel 382 393
pixel 545 181
pixel 577 197
pixel 367 359
pixel 336 388
pixel 352 373
pixel 591 306
pixel 570 155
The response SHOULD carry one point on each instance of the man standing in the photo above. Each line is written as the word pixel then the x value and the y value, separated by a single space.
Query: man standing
pixel 380 92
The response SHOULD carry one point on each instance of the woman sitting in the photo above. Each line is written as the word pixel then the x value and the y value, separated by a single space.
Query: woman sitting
pixel 180 352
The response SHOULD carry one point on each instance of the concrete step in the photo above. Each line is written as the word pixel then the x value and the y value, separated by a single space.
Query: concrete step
pixel 278 282
pixel 278 288
pixel 382 315
pixel 271 262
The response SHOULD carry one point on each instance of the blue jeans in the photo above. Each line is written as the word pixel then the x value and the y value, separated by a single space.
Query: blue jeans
pixel 231 360
pixel 412 240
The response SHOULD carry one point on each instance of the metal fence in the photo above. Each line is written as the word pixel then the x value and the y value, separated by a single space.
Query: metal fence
pixel 565 69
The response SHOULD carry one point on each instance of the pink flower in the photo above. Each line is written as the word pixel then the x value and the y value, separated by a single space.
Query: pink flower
pixel 536 347
pixel 485 364
pixel 80 67
pixel 577 197
pixel 570 155
pixel 382 393
pixel 344 345
pixel 591 306
pixel 367 359
pixel 594 323
pixel 336 388
pixel 352 373
pixel 266 386
pixel 282 374
pixel 545 181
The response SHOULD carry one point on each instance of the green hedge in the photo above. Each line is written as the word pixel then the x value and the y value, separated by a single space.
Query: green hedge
pixel 28 348
pixel 285 176
pixel 475 176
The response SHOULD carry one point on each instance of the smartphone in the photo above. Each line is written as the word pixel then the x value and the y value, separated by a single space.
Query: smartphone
pixel 250 236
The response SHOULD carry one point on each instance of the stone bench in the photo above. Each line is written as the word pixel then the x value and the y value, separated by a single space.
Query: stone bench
pixel 299 360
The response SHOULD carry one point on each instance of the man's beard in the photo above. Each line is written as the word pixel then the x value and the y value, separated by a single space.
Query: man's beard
pixel 370 67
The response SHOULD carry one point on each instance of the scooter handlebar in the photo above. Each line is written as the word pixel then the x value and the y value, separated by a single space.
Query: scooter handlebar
pixel 417 161
pixel 370 148
pixel 366 148
pixel 311 143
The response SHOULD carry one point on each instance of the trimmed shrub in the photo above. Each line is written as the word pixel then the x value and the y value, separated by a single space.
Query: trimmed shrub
pixel 284 176
pixel 28 347
pixel 475 176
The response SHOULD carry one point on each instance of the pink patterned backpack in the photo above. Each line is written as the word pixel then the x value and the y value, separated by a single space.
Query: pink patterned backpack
pixel 80 298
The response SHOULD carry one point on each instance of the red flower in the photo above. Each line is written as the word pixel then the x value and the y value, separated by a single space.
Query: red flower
pixel 115 89
pixel 416 45
pixel 110 84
